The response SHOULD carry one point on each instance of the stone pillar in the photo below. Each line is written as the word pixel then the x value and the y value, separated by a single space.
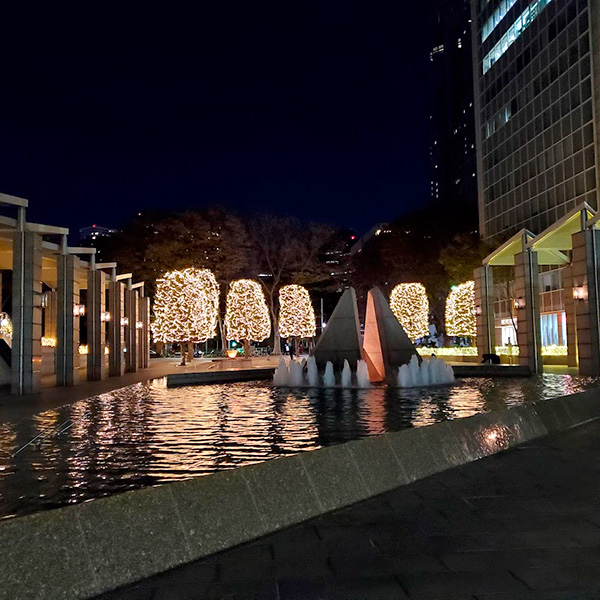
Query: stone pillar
pixel 27 313
pixel 583 328
pixel 50 314
pixel 484 310
pixel 527 295
pixel 131 313
pixel 116 340
pixel 144 333
pixel 96 302
pixel 67 341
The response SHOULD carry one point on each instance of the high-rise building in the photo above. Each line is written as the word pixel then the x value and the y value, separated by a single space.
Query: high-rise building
pixel 452 121
pixel 537 106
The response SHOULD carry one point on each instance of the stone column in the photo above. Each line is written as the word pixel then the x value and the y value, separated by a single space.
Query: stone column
pixel 67 345
pixel 583 328
pixel 27 313
pixel 131 297
pixel 484 310
pixel 116 340
pixel 144 333
pixel 96 302
pixel 527 294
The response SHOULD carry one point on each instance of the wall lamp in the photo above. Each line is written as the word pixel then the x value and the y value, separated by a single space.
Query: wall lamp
pixel 478 311
pixel 519 303
pixel 139 325
pixel 124 321
pixel 78 310
pixel 105 317
pixel 579 293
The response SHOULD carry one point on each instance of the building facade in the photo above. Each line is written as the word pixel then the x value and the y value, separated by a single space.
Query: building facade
pixel 452 118
pixel 537 100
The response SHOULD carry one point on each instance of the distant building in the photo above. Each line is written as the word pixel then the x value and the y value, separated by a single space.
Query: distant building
pixel 452 120
pixel 376 230
pixel 92 233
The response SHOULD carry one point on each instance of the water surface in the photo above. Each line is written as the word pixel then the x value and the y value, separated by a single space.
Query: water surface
pixel 147 434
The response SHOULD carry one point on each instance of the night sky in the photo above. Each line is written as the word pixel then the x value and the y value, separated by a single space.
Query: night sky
pixel 316 108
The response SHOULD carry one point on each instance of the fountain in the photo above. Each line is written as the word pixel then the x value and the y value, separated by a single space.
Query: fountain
pixel 432 371
pixel 329 377
pixel 387 355
pixel 313 372
pixel 362 375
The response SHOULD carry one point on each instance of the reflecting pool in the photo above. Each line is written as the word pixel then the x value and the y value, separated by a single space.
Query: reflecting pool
pixel 147 434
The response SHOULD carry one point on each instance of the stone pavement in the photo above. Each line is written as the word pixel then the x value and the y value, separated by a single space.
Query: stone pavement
pixel 517 525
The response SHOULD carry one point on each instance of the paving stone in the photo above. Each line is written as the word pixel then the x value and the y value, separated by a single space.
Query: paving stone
pixel 445 585
pixel 560 577
pixel 354 588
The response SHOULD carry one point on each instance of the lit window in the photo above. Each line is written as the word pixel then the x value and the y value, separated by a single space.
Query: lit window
pixel 515 30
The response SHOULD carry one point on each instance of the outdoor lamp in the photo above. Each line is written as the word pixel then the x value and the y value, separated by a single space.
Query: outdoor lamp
pixel 579 293
pixel 105 317
pixel 520 303
pixel 139 325
pixel 124 322
pixel 78 310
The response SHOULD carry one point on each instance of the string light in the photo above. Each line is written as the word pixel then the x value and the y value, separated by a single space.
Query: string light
pixel 246 314
pixel 409 303
pixel 296 313
pixel 186 306
pixel 460 310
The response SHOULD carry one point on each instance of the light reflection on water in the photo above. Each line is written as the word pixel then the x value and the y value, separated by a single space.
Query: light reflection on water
pixel 146 434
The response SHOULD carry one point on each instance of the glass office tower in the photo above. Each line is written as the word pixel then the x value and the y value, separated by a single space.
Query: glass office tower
pixel 537 106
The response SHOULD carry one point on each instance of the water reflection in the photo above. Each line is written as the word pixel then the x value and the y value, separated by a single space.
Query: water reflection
pixel 146 434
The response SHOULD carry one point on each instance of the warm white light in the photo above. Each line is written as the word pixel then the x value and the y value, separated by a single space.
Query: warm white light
pixel 460 310
pixel 296 313
pixel 246 314
pixel 186 306
pixel 409 303
pixel 79 310
pixel 105 317
pixel 139 325
pixel 124 321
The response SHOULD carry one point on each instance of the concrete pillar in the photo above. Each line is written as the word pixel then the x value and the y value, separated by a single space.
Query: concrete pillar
pixel 96 330
pixel 484 310
pixel 116 339
pixel 144 333
pixel 50 314
pixel 27 313
pixel 67 341
pixel 583 327
pixel 131 314
pixel 527 296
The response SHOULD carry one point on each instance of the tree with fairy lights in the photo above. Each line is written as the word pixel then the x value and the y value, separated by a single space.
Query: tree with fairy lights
pixel 296 312
pixel 409 303
pixel 246 314
pixel 186 307
pixel 460 310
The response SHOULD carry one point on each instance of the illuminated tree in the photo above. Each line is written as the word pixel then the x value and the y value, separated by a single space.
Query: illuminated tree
pixel 296 313
pixel 409 303
pixel 246 315
pixel 186 307
pixel 460 310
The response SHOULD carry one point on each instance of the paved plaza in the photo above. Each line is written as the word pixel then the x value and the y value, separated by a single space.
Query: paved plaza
pixel 517 525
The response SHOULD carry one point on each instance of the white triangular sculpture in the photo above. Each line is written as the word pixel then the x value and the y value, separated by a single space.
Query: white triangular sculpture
pixel 386 345
pixel 341 339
